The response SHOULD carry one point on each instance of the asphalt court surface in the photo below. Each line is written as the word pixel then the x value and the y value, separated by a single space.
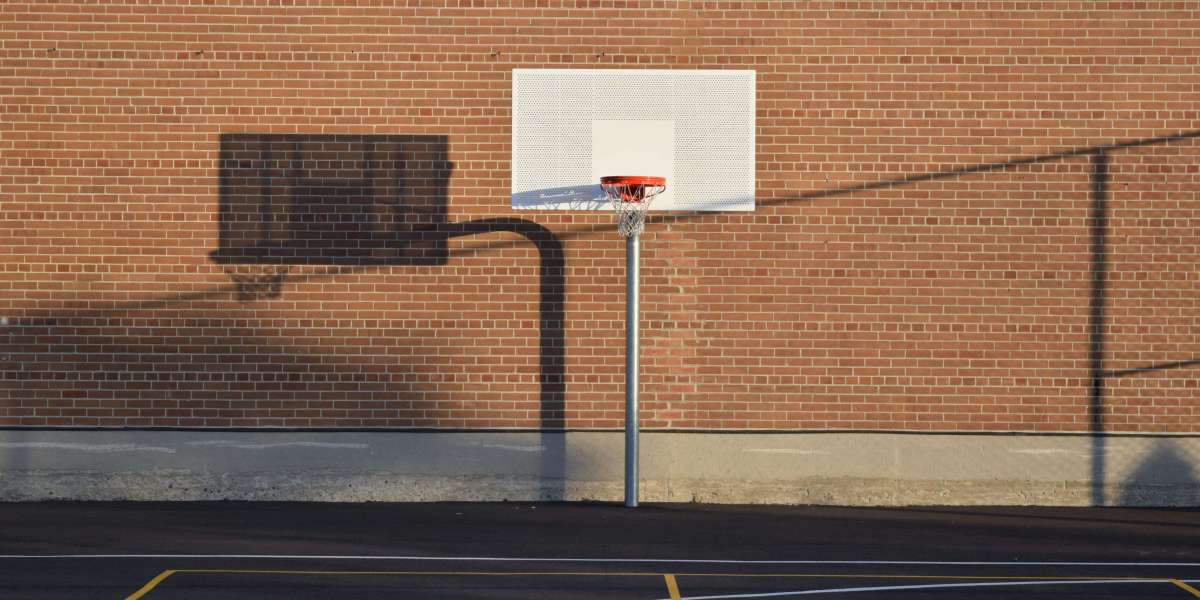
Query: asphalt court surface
pixel 520 550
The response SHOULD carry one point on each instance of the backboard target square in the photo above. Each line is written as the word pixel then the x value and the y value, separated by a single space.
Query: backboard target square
pixel 635 147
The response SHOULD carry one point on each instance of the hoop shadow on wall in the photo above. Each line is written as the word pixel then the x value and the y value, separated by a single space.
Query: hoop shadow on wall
pixel 362 201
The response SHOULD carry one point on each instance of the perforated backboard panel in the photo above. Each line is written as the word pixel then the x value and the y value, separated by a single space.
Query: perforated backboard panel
pixel 573 126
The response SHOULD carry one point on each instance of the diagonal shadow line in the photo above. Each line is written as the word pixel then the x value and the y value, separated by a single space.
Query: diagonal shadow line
pixel 910 180
pixel 510 224
pixel 579 232
pixel 672 218
pixel 163 302
pixel 1183 364
pixel 990 167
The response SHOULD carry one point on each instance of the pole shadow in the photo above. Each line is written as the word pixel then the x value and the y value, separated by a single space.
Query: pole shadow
pixel 1096 305
pixel 360 201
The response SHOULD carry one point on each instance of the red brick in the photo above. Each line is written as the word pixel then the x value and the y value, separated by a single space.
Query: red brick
pixel 883 283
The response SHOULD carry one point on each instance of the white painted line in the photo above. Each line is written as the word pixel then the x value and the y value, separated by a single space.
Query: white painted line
pixel 1048 451
pixel 925 586
pixel 606 560
pixel 511 447
pixel 272 445
pixel 97 448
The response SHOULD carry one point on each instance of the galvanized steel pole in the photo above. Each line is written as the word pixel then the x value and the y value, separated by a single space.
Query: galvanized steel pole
pixel 632 275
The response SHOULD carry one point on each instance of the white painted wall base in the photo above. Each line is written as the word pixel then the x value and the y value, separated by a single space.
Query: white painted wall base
pixel 862 469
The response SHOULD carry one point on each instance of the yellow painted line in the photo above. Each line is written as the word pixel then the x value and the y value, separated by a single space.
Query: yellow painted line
pixel 1185 587
pixel 672 583
pixel 151 585
pixel 933 577
pixel 421 573
pixel 672 586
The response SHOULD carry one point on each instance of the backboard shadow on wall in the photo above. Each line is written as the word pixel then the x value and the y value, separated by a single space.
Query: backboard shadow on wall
pixel 355 200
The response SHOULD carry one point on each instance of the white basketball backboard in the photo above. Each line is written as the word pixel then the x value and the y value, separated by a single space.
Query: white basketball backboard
pixel 573 126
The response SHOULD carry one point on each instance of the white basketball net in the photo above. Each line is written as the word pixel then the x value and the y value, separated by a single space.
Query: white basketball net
pixel 631 202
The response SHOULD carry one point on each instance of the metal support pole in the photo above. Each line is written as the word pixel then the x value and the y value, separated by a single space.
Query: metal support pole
pixel 632 260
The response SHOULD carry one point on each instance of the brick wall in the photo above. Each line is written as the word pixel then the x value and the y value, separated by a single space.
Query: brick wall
pixel 972 216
